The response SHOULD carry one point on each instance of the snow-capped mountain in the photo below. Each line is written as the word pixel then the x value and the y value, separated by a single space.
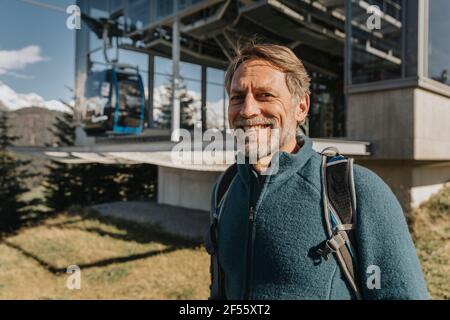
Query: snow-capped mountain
pixel 10 100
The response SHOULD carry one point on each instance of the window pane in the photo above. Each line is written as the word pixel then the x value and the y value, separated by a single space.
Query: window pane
pixel 139 60
pixel 98 10
pixel 439 41
pixel 377 41
pixel 216 113
pixel 139 13
pixel 190 102
pixel 163 65
pixel 190 71
pixel 163 8
pixel 215 75
pixel 326 112
pixel 162 105
pixel 117 4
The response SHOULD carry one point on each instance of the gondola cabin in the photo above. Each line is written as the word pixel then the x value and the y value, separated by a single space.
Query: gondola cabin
pixel 114 102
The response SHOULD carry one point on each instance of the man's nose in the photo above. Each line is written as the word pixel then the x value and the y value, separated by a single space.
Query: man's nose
pixel 250 107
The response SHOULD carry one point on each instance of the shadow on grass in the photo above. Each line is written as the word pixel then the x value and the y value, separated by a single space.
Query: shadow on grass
pixel 141 232
pixel 132 231
pixel 101 263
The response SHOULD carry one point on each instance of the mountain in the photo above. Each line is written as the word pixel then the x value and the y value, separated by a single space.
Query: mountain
pixel 32 126
pixel 30 116
pixel 10 100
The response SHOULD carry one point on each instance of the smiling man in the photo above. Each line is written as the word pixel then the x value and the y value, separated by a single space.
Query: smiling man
pixel 262 103
pixel 267 227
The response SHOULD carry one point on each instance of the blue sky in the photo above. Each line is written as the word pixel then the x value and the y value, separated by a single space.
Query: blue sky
pixel 37 53
pixel 27 30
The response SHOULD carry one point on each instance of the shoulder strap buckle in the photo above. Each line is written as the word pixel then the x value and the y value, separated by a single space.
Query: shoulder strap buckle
pixel 332 245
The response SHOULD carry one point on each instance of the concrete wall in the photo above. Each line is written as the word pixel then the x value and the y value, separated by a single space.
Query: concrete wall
pixel 408 123
pixel 431 126
pixel 409 129
pixel 412 182
pixel 386 119
pixel 185 188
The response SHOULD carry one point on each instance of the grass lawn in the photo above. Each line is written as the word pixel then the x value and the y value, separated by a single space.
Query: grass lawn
pixel 431 234
pixel 118 260
pixel 126 260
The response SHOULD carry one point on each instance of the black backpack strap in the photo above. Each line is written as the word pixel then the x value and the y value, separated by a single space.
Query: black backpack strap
pixel 211 237
pixel 224 183
pixel 339 203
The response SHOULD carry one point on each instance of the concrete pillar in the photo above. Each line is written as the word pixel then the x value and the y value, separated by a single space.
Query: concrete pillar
pixel 186 188
pixel 81 60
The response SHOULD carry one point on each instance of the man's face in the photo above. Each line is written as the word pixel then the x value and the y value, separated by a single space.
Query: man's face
pixel 259 102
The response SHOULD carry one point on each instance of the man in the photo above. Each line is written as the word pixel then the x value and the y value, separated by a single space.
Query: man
pixel 271 224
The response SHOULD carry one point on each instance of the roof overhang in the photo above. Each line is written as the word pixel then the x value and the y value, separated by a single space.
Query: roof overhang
pixel 161 154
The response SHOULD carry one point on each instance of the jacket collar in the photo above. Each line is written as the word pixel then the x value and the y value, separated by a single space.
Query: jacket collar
pixel 283 164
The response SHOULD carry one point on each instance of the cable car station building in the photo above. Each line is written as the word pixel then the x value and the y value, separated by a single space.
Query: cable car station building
pixel 380 88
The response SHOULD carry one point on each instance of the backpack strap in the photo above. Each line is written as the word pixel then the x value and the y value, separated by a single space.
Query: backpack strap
pixel 339 203
pixel 211 237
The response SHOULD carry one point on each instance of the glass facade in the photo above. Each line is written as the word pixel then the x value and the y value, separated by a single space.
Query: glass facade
pixel 377 40
pixel 216 100
pixel 190 95
pixel 439 41
pixel 163 8
pixel 327 109
pixel 138 13
pixel 382 44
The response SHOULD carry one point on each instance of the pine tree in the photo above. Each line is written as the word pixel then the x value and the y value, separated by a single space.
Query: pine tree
pixel 139 182
pixel 59 180
pixel 186 107
pixel 90 183
pixel 12 177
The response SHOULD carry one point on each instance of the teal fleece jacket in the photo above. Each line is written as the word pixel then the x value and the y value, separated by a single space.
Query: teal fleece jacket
pixel 274 257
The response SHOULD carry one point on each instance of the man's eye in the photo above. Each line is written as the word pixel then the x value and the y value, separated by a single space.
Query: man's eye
pixel 265 95
pixel 236 99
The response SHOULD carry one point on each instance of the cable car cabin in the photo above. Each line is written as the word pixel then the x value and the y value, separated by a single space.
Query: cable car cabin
pixel 114 102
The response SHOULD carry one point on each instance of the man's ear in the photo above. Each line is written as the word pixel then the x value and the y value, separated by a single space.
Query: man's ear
pixel 302 109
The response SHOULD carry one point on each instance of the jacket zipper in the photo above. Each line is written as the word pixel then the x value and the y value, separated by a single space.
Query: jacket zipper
pixel 251 218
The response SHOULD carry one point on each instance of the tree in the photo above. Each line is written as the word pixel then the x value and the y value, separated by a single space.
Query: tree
pixel 89 183
pixel 59 180
pixel 80 184
pixel 187 109
pixel 12 177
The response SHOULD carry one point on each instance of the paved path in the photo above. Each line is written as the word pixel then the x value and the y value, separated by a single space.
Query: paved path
pixel 180 221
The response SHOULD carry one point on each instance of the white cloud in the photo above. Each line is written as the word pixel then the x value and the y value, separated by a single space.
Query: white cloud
pixel 11 100
pixel 13 60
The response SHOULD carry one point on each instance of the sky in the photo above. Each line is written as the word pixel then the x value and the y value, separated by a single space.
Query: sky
pixel 36 49
pixel 37 53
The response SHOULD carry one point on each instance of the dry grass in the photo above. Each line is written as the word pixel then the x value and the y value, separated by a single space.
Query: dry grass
pixel 431 232
pixel 125 260
pixel 118 260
